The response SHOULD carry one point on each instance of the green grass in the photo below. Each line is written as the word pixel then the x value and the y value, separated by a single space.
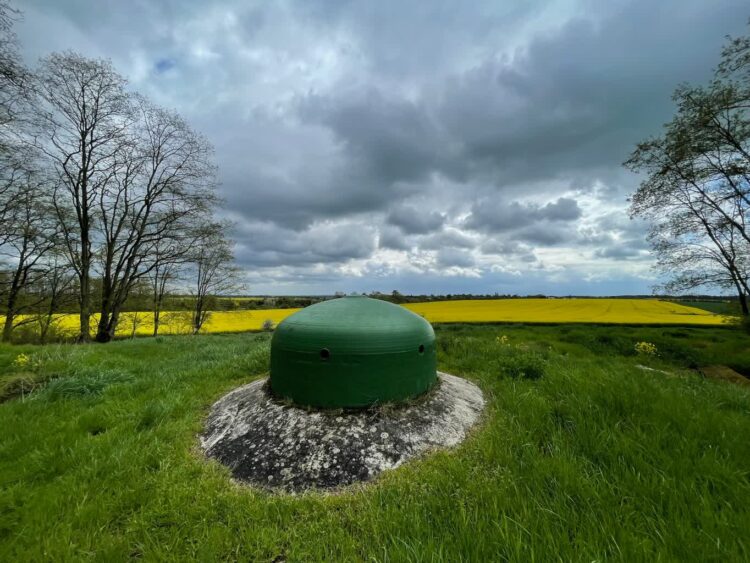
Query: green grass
pixel 727 307
pixel 581 455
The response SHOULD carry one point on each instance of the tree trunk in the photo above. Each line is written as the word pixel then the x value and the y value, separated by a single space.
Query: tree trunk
pixel 157 303
pixel 44 328
pixel 198 317
pixel 107 327
pixel 740 286
pixel 102 329
pixel 10 304
pixel 84 275
pixel 8 326
pixel 743 304
pixel 135 325
pixel 157 314
pixel 48 318
pixel 108 321
pixel 84 334
pixel 114 320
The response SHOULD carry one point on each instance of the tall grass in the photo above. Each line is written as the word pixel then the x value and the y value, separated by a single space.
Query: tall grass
pixel 591 458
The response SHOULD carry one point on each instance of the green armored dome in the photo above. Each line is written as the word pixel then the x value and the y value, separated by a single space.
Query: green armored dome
pixel 352 352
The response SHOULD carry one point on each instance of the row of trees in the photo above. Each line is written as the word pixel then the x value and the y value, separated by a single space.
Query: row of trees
pixel 697 188
pixel 99 188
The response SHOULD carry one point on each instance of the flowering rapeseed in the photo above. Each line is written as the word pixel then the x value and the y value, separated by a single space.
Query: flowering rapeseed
pixel 646 348
pixel 611 311
pixel 22 361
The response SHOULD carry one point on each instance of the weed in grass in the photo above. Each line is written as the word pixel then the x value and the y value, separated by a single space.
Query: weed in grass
pixel 82 384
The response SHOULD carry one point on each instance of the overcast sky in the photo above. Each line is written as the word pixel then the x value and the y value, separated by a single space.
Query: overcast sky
pixel 429 147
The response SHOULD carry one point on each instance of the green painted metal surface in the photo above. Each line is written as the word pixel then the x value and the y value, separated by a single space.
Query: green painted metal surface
pixel 352 352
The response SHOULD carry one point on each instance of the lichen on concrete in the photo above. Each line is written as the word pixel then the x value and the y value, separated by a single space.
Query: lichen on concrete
pixel 272 445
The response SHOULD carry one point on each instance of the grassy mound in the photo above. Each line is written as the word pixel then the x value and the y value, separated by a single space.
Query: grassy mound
pixel 583 454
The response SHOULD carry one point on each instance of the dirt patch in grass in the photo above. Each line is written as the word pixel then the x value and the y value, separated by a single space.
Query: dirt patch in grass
pixel 724 373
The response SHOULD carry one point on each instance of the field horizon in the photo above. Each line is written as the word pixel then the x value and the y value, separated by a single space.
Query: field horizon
pixel 529 310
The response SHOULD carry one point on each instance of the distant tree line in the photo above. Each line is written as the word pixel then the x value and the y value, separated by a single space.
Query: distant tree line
pixel 696 191
pixel 102 193
pixel 397 297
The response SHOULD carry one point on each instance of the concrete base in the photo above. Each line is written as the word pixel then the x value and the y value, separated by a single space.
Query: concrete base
pixel 272 445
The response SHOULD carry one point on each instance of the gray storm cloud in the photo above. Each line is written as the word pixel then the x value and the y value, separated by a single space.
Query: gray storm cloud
pixel 371 145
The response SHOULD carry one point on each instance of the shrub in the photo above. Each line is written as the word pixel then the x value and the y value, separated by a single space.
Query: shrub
pixel 526 366
pixel 267 325
pixel 520 362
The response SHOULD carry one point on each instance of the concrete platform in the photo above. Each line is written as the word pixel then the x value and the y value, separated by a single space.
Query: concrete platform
pixel 276 446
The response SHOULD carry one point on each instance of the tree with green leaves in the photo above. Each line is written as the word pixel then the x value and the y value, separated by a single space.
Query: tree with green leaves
pixel 696 191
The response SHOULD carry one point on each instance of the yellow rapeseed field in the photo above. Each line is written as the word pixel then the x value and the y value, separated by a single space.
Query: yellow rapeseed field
pixel 613 311
pixel 178 322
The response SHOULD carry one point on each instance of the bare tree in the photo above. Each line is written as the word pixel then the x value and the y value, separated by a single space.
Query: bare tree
pixel 133 181
pixel 16 101
pixel 31 235
pixel 163 186
pixel 15 87
pixel 35 282
pixel 82 123
pixel 164 274
pixel 57 289
pixel 214 274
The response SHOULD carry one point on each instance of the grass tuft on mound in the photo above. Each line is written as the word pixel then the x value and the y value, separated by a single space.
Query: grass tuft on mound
pixel 582 454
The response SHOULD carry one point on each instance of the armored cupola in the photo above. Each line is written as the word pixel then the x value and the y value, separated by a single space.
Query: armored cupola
pixel 352 352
